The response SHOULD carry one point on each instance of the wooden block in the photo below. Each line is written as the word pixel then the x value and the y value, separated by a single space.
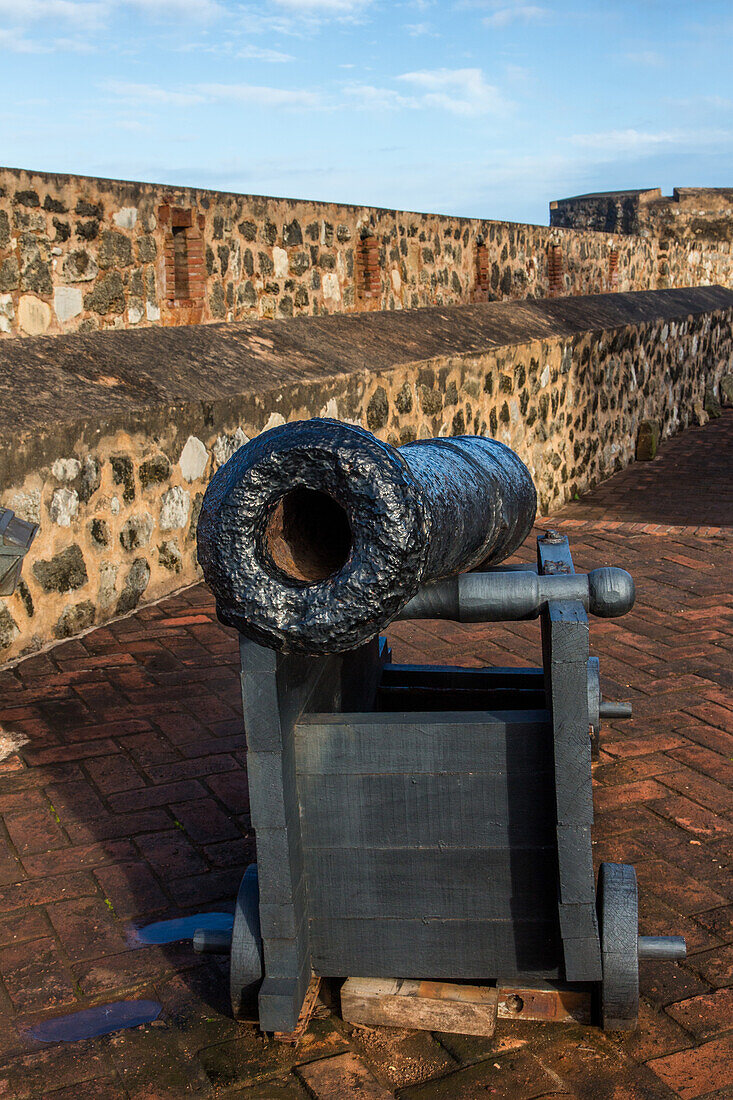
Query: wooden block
pixel 471 810
pixel 427 1006
pixel 477 950
pixel 421 743
pixel 431 883
pixel 558 1005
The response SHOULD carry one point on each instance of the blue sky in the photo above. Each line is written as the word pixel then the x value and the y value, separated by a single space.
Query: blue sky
pixel 488 108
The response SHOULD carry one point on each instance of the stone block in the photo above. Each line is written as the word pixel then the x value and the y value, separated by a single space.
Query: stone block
pixel 647 440
pixel 34 316
pixel 726 390
pixel 711 403
pixel 67 302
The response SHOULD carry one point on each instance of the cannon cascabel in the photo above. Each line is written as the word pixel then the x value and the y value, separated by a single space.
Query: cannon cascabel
pixel 315 534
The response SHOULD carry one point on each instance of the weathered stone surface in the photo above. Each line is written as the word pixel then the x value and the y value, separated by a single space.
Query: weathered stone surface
pixel 699 415
pixel 123 474
pixel 34 316
pixel 99 532
pixel 74 619
pixel 174 508
pixel 712 404
pixel 108 295
pixel 194 459
pixel 115 250
pixel 66 469
pixel 64 506
pixel 726 390
pixel 226 445
pixel 8 628
pixel 377 410
pixel 136 531
pixel 79 267
pixel 91 478
pixel 67 302
pixel 126 218
pixel 64 572
pixel 135 584
pixel 154 471
pixel 27 505
pixel 9 274
pixel 647 440
pixel 4 229
pixel 170 557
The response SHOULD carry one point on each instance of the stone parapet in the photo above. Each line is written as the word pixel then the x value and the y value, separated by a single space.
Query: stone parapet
pixel 109 440
pixel 79 254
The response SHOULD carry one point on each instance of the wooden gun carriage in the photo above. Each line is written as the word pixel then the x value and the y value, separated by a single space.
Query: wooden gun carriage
pixel 434 822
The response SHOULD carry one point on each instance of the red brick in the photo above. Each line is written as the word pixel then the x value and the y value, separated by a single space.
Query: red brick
pixel 676 888
pixel 18 927
pixel 118 825
pixel 607 798
pixel 701 789
pixel 27 892
pixel 205 822
pixel 114 773
pixel 35 977
pixel 715 966
pixel 161 795
pixel 86 928
pixel 707 1015
pixel 131 888
pixel 693 1073
pixel 170 854
pixel 691 817
pixel 76 858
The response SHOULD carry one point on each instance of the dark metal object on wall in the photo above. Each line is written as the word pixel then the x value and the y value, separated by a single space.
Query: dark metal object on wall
pixel 16 536
pixel 315 535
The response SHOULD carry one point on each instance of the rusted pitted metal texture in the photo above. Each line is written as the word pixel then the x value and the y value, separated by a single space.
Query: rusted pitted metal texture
pixel 315 535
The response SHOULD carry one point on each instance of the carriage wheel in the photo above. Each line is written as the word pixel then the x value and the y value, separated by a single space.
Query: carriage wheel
pixel 618 920
pixel 246 963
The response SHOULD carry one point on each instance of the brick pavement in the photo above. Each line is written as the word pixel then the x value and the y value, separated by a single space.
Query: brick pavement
pixel 127 804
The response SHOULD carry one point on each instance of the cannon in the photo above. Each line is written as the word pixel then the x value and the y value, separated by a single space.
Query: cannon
pixel 412 822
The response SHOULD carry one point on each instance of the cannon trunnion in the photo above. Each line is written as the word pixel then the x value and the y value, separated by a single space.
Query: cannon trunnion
pixel 425 822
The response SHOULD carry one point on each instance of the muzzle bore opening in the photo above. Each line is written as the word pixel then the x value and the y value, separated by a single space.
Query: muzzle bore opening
pixel 308 535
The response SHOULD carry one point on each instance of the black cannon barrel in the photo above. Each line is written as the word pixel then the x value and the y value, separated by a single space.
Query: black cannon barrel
pixel 315 535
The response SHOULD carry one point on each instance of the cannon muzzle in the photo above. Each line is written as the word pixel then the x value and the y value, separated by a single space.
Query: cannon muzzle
pixel 316 534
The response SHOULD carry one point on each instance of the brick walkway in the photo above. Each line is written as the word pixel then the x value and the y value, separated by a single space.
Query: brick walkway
pixel 127 805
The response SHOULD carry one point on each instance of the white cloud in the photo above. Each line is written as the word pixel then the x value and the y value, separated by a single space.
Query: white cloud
pixel 16 42
pixel 517 13
pixel 379 99
pixel 460 91
pixel 261 95
pixel 418 30
pixel 325 7
pixel 647 59
pixel 166 9
pixel 72 11
pixel 144 94
pixel 255 53
pixel 615 143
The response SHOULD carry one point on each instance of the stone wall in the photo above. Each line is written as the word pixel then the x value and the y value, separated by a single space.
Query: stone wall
pixel 698 218
pixel 109 440
pixel 79 254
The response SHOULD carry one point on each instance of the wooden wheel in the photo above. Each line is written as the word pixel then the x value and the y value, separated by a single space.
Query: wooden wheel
pixel 245 964
pixel 618 920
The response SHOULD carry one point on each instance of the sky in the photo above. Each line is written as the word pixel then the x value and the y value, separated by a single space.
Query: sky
pixel 483 108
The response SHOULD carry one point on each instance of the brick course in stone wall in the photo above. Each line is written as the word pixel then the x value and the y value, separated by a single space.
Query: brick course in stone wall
pixel 79 254
pixel 114 467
